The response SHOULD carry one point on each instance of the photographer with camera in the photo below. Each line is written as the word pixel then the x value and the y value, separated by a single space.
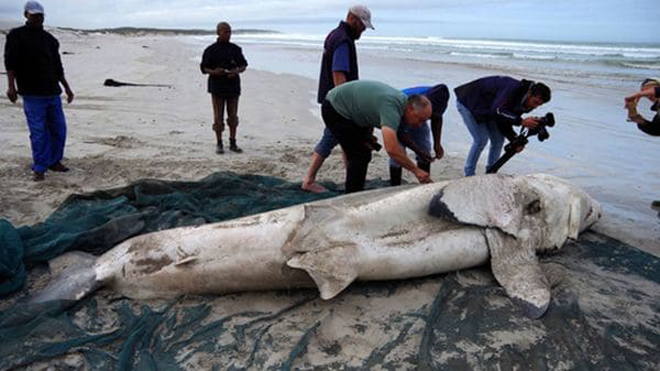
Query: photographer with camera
pixel 353 109
pixel 491 106
pixel 650 89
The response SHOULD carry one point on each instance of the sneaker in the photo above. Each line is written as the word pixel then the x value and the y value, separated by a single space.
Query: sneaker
pixel 218 149
pixel 38 177
pixel 58 167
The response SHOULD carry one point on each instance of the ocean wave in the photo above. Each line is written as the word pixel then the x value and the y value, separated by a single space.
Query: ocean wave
pixel 629 56
pixel 641 66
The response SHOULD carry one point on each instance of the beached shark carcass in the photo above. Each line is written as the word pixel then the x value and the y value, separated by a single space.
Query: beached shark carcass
pixel 385 234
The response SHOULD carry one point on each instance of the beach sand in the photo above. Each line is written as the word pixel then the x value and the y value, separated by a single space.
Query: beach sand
pixel 119 135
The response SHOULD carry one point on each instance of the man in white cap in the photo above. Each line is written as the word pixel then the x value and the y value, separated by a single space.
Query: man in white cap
pixel 338 65
pixel 32 61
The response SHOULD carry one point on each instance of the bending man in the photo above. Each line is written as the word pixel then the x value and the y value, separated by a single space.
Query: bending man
pixel 352 110
pixel 419 139
pixel 491 106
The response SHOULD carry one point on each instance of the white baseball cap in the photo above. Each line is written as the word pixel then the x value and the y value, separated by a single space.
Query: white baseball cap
pixel 33 7
pixel 363 13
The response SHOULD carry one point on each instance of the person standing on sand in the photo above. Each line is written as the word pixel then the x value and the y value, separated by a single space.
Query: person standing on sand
pixel 491 106
pixel 338 65
pixel 651 90
pixel 352 110
pixel 32 61
pixel 223 61
pixel 419 139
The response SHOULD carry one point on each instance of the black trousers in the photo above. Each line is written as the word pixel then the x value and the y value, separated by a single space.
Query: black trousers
pixel 353 140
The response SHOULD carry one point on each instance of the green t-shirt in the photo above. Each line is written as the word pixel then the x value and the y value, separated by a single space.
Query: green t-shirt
pixel 369 103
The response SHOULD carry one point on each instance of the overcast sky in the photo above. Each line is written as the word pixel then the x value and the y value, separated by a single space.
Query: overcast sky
pixel 570 20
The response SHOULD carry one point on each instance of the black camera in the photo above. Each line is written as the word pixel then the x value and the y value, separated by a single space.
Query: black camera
pixel 546 121
pixel 521 140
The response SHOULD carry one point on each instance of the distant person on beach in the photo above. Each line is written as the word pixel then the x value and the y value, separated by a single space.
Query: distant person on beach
pixel 352 110
pixel 338 65
pixel 419 139
pixel 32 61
pixel 491 106
pixel 223 61
pixel 651 90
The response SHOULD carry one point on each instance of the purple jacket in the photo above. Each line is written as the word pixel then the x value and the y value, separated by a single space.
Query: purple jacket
pixel 496 98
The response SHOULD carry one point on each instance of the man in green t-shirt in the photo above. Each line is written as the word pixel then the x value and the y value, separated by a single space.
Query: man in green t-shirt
pixel 352 110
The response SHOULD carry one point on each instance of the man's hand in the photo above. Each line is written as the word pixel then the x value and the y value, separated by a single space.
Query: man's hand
pixel 12 94
pixel 520 148
pixel 530 122
pixel 69 95
pixel 439 151
pixel 422 176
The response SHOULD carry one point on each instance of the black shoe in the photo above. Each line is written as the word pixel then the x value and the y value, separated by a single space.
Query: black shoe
pixel 58 167
pixel 395 176
pixel 218 149
pixel 38 177
pixel 233 147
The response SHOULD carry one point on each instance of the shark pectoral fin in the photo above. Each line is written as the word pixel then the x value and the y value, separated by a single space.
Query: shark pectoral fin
pixel 516 268
pixel 332 270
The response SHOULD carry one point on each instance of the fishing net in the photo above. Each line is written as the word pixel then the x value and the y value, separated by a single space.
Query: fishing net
pixel 605 311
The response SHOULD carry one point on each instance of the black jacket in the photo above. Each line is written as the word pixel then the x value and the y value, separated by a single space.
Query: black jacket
pixel 228 56
pixel 33 55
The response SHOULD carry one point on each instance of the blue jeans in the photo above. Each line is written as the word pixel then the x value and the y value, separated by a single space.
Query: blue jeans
pixel 47 125
pixel 481 133
pixel 326 144
pixel 422 137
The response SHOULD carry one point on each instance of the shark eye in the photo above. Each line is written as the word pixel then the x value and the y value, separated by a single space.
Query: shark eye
pixel 533 207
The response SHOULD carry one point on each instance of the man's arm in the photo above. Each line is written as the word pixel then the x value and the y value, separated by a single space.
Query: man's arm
pixel 11 61
pixel 406 139
pixel 12 94
pixel 436 129
pixel 340 64
pixel 67 89
pixel 650 92
pixel 395 151
pixel 338 78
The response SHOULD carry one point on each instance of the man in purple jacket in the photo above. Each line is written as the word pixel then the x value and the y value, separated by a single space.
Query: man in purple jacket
pixel 491 106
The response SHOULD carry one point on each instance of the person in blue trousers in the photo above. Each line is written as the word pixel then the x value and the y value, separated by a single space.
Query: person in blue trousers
pixel 419 140
pixel 32 61
pixel 491 106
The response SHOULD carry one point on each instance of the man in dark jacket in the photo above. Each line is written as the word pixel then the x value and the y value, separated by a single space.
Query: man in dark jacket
pixel 223 61
pixel 32 61
pixel 338 65
pixel 491 106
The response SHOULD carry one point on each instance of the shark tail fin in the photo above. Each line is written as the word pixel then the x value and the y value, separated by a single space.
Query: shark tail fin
pixel 74 278
pixel 516 268
pixel 332 270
